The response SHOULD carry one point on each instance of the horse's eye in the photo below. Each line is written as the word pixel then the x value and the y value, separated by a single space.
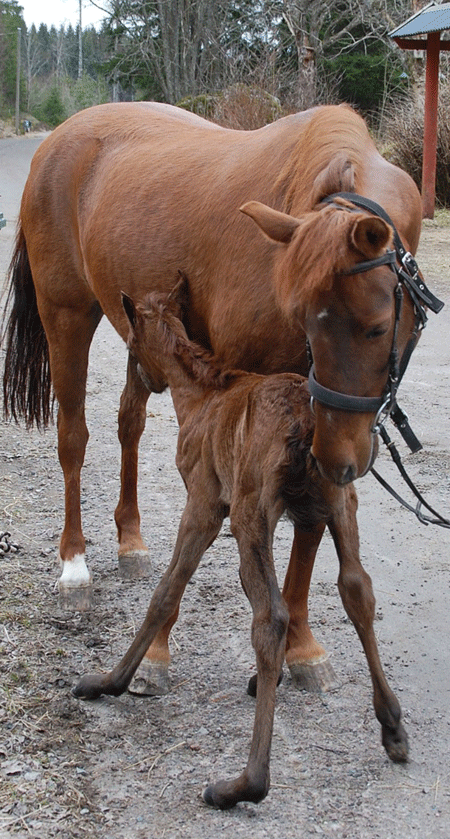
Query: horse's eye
pixel 376 332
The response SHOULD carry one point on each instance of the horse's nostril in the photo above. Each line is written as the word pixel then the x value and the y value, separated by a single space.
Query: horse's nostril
pixel 348 474
pixel 340 475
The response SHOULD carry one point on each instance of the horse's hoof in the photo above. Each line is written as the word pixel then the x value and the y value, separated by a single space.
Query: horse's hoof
pixel 151 679
pixel 396 743
pixel 75 598
pixel 316 676
pixel 134 565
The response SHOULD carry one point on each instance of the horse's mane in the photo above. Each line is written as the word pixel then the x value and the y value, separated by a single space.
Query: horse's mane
pixel 332 147
pixel 199 364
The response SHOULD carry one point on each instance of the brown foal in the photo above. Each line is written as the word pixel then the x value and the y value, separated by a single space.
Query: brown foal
pixel 244 451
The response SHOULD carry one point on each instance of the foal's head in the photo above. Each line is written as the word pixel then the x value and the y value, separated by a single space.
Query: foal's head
pixel 348 317
pixel 166 355
pixel 146 339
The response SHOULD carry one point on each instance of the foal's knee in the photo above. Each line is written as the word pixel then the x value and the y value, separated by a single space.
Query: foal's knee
pixel 269 633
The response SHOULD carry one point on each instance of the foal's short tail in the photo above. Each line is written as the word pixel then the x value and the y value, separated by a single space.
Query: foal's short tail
pixel 26 378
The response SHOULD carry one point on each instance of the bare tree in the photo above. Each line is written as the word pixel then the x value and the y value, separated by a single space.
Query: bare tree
pixel 176 41
pixel 33 59
pixel 189 47
pixel 319 27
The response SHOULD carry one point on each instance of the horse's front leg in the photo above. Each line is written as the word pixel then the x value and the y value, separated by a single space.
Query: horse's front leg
pixel 269 626
pixel 134 559
pixel 307 660
pixel 152 677
pixel 355 588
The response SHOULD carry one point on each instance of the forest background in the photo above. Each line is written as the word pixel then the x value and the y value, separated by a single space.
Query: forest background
pixel 241 63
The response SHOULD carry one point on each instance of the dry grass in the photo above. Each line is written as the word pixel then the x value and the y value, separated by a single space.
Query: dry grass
pixel 402 137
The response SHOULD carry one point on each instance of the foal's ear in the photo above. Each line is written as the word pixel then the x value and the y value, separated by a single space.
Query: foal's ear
pixel 371 236
pixel 130 308
pixel 278 227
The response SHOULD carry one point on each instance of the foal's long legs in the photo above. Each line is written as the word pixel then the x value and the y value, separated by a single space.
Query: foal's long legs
pixel 134 558
pixel 199 526
pixel 269 626
pixel 355 588
pixel 307 660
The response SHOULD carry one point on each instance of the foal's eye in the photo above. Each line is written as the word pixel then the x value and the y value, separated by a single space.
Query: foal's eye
pixel 376 332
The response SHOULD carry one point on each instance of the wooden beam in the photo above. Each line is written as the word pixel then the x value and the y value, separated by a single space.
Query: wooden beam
pixel 419 43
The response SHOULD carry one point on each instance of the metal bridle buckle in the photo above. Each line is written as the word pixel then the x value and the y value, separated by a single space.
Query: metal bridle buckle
pixel 377 423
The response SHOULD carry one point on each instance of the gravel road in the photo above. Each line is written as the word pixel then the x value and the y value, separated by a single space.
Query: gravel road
pixel 134 767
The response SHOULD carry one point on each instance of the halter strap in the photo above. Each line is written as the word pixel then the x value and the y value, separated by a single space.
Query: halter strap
pixel 343 401
pixel 388 258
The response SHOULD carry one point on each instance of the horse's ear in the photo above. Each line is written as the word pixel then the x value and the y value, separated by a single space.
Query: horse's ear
pixel 338 176
pixel 130 308
pixel 278 227
pixel 371 236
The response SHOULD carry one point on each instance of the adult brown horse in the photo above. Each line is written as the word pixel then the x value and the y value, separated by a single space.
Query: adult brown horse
pixel 122 197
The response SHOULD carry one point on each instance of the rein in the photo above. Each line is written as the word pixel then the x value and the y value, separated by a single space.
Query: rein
pixel 403 264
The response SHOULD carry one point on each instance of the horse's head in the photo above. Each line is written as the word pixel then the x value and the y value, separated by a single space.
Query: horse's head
pixel 334 275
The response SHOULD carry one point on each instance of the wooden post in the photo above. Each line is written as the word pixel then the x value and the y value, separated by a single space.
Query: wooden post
pixel 430 125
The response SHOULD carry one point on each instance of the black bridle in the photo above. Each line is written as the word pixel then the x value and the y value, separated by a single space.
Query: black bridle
pixel 405 267
pixel 409 279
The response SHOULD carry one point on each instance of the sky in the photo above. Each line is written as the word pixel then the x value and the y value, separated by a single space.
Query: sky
pixel 61 12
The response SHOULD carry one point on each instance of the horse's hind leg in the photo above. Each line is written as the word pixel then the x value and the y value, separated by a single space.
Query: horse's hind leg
pixel 307 660
pixel 134 560
pixel 355 588
pixel 69 334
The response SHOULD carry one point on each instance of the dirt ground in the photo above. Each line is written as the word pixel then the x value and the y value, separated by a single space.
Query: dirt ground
pixel 134 767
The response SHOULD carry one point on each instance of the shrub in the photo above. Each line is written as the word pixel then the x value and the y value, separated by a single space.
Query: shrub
pixel 240 106
pixel 402 133
pixel 365 80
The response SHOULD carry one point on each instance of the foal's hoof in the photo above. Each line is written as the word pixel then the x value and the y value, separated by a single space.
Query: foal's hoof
pixel 395 741
pixel 316 676
pixel 134 565
pixel 253 684
pixel 226 794
pixel 151 679
pixel 75 598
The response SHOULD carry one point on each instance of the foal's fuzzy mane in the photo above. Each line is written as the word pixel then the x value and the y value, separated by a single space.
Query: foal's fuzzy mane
pixel 197 363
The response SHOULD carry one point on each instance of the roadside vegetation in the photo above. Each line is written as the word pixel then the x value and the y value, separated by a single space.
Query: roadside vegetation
pixel 240 63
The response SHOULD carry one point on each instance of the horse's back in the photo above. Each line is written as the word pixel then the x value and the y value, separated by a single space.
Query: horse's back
pixel 128 194
pixel 123 196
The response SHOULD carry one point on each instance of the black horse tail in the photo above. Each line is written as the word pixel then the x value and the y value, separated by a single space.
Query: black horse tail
pixel 27 387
